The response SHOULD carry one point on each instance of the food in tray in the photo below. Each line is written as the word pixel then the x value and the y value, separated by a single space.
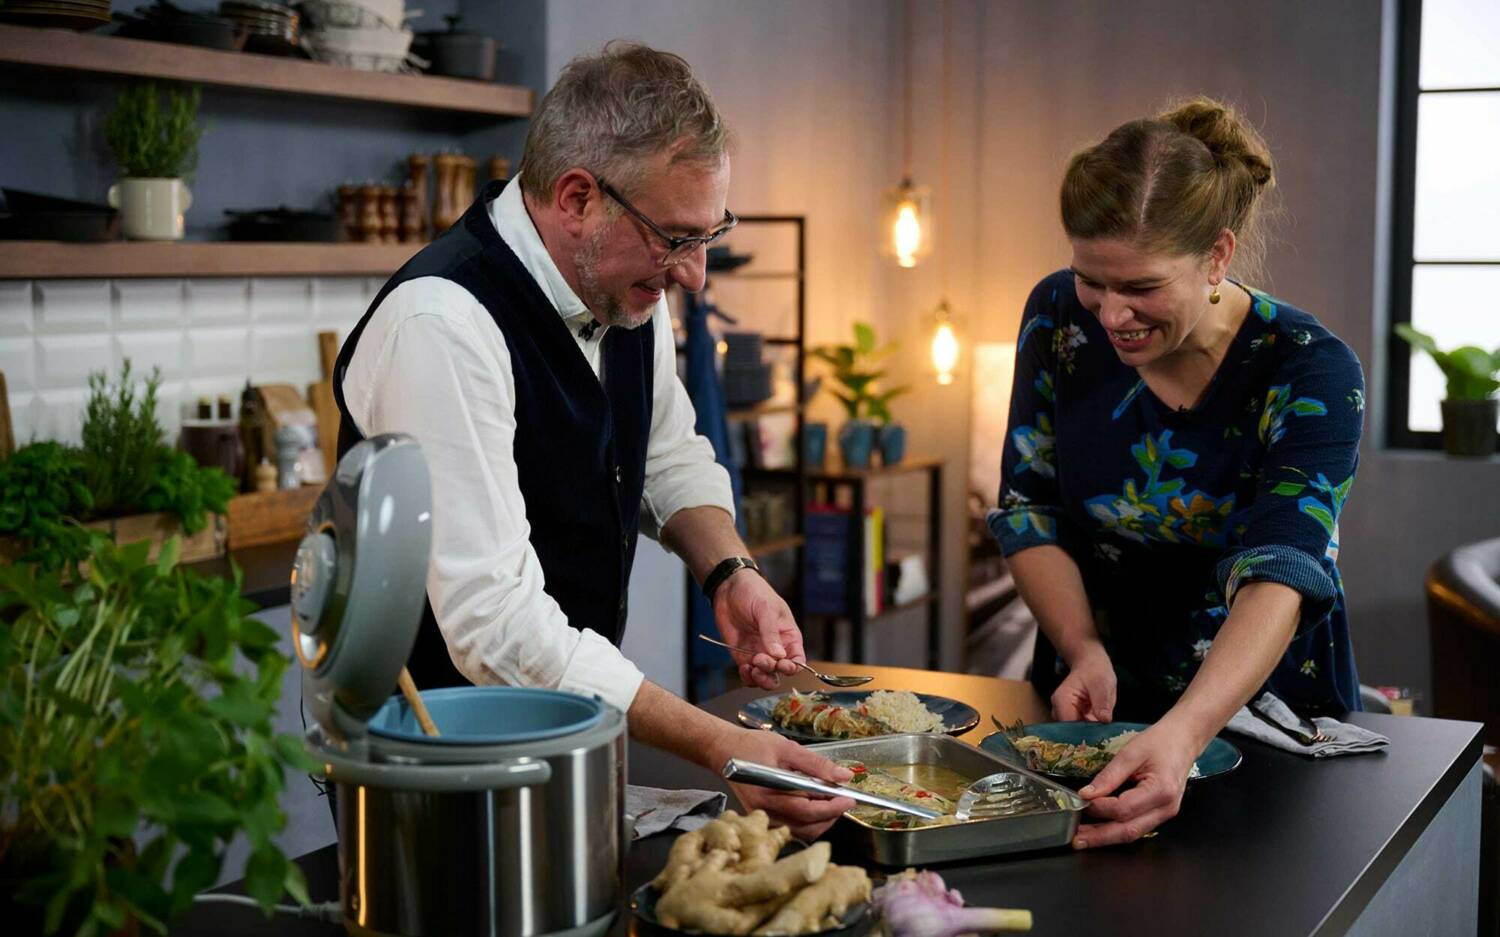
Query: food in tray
pixel 883 712
pixel 920 904
pixel 887 784
pixel 724 878
pixel 1066 759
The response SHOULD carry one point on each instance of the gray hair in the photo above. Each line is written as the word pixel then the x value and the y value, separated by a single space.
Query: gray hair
pixel 610 112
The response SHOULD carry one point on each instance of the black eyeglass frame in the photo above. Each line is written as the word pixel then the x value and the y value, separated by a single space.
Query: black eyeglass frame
pixel 679 246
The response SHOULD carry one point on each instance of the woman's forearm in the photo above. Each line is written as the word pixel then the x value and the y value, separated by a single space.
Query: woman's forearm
pixel 1052 586
pixel 1245 651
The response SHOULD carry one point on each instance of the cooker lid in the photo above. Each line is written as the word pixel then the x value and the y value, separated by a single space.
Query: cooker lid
pixel 360 581
pixel 490 715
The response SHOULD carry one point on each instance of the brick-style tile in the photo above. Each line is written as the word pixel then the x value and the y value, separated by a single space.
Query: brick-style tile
pixel 287 299
pixel 146 350
pixel 65 361
pixel 218 301
pixel 18 362
pixel 73 306
pixel 149 304
pixel 17 313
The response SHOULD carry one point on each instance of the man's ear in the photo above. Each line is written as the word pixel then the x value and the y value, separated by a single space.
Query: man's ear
pixel 574 195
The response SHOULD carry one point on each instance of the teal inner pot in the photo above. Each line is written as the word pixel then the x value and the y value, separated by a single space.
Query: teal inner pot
pixel 489 715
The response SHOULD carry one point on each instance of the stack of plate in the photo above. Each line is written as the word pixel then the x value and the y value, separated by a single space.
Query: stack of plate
pixel 67 14
pixel 273 28
pixel 369 35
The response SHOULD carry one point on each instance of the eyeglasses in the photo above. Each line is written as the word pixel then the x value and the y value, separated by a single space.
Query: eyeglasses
pixel 679 247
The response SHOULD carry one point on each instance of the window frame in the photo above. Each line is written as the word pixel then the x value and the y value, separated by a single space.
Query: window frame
pixel 1399 434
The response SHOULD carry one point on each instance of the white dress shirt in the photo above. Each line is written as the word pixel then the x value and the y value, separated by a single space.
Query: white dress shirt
pixel 432 363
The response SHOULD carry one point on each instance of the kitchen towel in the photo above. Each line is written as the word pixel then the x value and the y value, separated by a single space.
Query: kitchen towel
pixel 1343 738
pixel 656 810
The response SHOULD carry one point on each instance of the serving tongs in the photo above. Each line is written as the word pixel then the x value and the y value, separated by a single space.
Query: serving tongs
pixel 1003 794
pixel 776 779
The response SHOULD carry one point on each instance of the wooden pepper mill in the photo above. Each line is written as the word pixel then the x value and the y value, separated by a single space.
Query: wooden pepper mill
pixel 348 212
pixel 413 223
pixel 418 167
pixel 369 214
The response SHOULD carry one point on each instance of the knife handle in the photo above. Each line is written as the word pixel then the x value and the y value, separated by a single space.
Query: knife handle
pixel 758 775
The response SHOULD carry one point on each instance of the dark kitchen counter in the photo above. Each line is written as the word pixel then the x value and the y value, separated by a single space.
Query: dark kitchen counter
pixel 1283 845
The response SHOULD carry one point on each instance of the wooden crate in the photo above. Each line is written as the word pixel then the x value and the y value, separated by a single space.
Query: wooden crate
pixel 158 528
pixel 271 516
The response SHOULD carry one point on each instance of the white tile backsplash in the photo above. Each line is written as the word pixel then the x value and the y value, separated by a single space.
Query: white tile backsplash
pixel 208 336
pixel 149 304
pixel 68 360
pixel 73 306
pixel 18 362
pixel 146 350
pixel 16 308
pixel 281 300
pixel 218 301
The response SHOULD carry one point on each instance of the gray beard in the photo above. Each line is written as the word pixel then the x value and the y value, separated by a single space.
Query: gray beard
pixel 606 308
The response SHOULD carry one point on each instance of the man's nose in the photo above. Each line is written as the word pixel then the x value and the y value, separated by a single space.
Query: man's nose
pixel 692 273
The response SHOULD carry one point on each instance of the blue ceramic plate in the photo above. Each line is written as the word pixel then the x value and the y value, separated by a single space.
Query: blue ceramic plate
pixel 1220 757
pixel 957 717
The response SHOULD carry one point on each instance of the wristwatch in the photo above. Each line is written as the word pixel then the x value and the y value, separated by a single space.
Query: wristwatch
pixel 723 571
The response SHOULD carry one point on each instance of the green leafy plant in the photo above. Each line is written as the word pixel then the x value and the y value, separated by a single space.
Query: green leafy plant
pixel 1471 371
pixel 136 739
pixel 121 441
pixel 854 368
pixel 42 488
pixel 154 132
pixel 182 487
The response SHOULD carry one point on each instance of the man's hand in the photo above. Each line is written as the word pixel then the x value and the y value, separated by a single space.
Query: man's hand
pixel 1158 761
pixel 1088 691
pixel 750 614
pixel 807 815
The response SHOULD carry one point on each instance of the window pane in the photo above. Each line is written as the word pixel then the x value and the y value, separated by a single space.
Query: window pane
pixel 1458 177
pixel 1455 305
pixel 1460 44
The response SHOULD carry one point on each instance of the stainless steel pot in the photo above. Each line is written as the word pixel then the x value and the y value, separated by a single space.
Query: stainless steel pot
pixel 512 823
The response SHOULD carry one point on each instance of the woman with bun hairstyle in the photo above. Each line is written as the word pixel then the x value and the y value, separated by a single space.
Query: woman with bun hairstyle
pixel 1179 448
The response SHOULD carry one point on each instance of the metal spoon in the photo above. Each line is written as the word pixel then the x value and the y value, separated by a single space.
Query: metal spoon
pixel 1004 794
pixel 827 678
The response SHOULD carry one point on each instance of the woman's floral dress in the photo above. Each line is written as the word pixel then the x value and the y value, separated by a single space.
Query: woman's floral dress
pixel 1168 513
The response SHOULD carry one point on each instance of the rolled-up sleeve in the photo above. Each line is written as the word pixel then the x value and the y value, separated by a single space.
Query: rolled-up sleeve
pixel 433 375
pixel 1310 424
pixel 680 467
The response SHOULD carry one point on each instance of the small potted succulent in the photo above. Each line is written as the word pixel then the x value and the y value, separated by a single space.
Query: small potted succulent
pixel 867 406
pixel 154 137
pixel 1470 407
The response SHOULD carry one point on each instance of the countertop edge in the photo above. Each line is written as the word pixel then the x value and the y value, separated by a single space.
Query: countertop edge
pixel 1352 903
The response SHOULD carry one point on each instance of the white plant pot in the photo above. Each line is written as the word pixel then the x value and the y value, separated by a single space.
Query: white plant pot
pixel 151 209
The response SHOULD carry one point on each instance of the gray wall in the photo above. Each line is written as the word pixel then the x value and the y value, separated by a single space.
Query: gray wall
pixel 260 150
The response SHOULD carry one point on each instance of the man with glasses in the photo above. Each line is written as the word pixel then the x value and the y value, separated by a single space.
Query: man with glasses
pixel 529 350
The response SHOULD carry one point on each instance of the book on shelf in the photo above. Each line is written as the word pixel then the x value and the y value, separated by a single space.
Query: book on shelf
pixel 828 577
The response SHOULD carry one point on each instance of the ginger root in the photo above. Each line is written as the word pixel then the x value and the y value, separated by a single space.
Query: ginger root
pixel 783 877
pixel 840 888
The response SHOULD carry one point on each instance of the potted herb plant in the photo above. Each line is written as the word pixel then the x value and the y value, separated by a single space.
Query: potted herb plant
pixel 136 741
pixel 124 481
pixel 868 408
pixel 154 136
pixel 1470 407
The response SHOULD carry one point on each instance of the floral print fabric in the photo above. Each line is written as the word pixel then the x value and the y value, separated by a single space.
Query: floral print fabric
pixel 1168 513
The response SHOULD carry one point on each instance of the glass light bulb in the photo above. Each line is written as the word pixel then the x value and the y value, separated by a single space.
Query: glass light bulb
pixel 907 233
pixel 944 352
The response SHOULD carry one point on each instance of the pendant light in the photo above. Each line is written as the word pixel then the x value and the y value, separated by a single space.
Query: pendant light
pixel 906 220
pixel 946 348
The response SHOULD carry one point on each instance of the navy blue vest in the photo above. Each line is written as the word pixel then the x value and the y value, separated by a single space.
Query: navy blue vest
pixel 580 447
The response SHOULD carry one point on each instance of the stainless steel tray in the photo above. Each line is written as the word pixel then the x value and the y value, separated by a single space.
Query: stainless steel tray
pixel 976 838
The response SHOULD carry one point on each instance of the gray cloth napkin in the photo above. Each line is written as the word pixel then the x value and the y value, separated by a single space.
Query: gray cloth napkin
pixel 1344 739
pixel 656 810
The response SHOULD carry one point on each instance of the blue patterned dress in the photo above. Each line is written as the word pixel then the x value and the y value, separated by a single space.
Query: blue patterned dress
pixel 1168 512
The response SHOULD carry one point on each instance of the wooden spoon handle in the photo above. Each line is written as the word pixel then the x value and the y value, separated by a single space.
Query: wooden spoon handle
pixel 409 690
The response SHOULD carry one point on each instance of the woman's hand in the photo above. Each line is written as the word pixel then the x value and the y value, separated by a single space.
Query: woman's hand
pixel 1158 761
pixel 1088 691
pixel 751 614
pixel 807 815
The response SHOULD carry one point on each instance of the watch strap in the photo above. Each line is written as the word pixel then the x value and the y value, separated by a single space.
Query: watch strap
pixel 724 570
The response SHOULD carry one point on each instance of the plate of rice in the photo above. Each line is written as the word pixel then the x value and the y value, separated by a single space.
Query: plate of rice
pixel 853 714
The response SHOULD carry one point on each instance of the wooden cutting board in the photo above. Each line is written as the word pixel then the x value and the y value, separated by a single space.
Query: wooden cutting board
pixel 7 432
pixel 320 395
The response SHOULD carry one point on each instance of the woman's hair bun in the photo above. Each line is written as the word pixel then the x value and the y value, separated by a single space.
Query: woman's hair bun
pixel 1226 135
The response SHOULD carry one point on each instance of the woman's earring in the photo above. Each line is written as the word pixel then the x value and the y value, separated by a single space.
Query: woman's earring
pixel 1214 296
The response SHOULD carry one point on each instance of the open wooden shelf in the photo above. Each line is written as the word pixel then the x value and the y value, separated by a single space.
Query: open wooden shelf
pixel 25 260
pixel 778 545
pixel 110 55
pixel 740 414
